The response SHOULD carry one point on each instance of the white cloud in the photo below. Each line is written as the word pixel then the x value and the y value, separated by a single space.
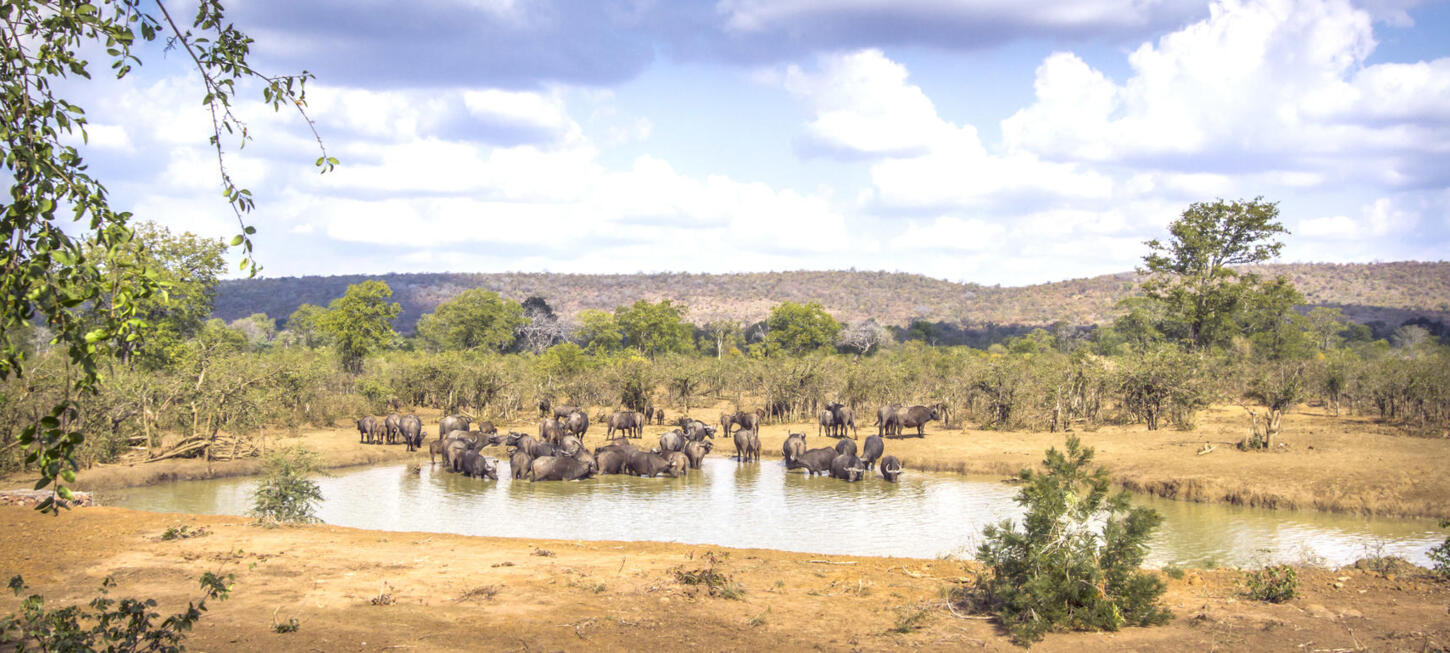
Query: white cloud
pixel 864 104
pixel 758 15
pixel 1259 76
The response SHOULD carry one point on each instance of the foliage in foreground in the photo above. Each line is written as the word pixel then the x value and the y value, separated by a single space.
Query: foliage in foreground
pixel 285 495
pixel 104 624
pixel 1059 570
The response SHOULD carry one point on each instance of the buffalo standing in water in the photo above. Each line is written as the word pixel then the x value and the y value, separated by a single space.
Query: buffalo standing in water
pixel 795 445
pixel 561 468
pixel 872 450
pixel 453 423
pixel 847 467
pixel 890 468
pixel 747 445
pixel 846 447
pixel 644 463
pixel 696 451
pixel 815 461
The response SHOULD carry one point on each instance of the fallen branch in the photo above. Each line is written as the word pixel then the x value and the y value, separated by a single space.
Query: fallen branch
pixel 829 562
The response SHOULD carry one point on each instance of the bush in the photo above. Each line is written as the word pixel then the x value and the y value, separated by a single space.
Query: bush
pixel 285 494
pixel 104 624
pixel 1440 556
pixel 1058 571
pixel 1275 583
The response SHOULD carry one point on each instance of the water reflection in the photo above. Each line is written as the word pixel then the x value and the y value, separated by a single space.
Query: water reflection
pixel 760 505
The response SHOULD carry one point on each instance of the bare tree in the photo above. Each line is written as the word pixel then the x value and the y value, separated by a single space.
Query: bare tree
pixel 864 336
pixel 542 328
pixel 723 332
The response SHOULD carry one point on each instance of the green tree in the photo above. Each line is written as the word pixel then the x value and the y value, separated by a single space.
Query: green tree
pixel 476 319
pixel 801 328
pixel 360 322
pixel 60 276
pixel 1325 325
pixel 1192 273
pixel 598 331
pixel 304 323
pixel 655 328
pixel 1075 562
pixel 186 267
pixel 723 336
pixel 1268 318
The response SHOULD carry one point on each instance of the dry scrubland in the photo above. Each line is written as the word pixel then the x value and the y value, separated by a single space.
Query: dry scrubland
pixel 1392 292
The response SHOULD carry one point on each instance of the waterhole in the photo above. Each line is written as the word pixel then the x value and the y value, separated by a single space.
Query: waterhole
pixel 760 505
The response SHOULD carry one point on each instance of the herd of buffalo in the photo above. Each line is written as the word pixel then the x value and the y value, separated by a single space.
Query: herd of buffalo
pixel 558 452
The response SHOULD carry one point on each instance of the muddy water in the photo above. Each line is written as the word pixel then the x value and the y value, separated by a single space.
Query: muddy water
pixel 759 505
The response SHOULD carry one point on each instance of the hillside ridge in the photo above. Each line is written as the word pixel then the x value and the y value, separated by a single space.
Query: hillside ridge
pixel 1390 292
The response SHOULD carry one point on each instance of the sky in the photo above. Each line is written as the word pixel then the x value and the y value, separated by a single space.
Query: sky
pixel 987 141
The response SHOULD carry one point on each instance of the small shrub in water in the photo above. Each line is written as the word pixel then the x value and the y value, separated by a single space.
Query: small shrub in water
pixel 1275 583
pixel 1059 570
pixel 285 495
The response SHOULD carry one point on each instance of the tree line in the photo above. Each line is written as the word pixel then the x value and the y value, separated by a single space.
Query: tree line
pixel 1199 332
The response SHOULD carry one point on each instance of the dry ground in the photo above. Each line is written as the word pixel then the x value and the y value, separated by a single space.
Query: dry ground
pixel 474 593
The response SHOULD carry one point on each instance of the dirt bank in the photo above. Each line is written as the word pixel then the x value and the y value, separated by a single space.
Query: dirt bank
pixel 1341 464
pixel 470 593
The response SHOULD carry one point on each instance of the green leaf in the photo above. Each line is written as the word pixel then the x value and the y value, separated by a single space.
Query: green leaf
pixel 237 240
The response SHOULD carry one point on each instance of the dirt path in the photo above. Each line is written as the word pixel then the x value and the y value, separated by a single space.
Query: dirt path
pixel 472 593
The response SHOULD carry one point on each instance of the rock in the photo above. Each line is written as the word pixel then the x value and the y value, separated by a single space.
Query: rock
pixel 1318 611
pixel 1339 586
pixel 1342 578
pixel 1350 613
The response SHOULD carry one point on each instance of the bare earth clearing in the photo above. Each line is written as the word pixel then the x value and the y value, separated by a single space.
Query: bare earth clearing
pixel 476 593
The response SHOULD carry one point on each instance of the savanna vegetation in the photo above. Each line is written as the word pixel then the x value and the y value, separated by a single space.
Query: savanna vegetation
pixel 1200 332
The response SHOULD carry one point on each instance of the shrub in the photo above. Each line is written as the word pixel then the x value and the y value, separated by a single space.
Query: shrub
pixel 1058 570
pixel 1440 556
pixel 104 624
pixel 285 494
pixel 1275 583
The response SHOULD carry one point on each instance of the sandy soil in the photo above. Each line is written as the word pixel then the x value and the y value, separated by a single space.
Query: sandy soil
pixel 470 593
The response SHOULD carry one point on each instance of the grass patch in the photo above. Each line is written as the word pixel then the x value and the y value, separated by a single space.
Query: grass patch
pixel 184 532
pixel 911 617
pixel 485 592
pixel 715 582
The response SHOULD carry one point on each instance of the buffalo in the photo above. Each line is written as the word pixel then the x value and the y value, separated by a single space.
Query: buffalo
pixel 696 452
pixel 577 424
pixel 365 428
pixel 747 445
pixel 628 422
pixel 795 445
pixel 453 423
pixel 890 468
pixel 672 441
pixel 814 461
pixel 412 429
pixel 644 463
pixel 847 467
pixel 561 468
pixel 846 447
pixel 872 450
pixel 519 463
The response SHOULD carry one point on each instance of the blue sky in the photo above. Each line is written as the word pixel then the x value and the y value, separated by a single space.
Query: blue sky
pixel 988 141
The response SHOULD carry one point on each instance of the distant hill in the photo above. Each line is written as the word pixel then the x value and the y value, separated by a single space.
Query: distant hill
pixel 1390 292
